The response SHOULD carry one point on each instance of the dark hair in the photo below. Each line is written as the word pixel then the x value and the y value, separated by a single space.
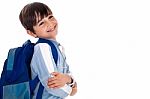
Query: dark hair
pixel 32 13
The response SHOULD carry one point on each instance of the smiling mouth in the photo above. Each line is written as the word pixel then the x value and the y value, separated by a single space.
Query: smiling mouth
pixel 51 30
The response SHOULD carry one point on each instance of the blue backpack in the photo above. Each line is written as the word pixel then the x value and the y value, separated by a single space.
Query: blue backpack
pixel 16 82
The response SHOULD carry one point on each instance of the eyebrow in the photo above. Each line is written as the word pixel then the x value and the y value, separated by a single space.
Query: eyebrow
pixel 42 18
pixel 39 21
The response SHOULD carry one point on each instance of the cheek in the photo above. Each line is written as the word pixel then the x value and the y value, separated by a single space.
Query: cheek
pixel 55 22
pixel 39 31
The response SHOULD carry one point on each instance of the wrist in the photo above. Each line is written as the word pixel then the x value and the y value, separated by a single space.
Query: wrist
pixel 69 79
pixel 71 82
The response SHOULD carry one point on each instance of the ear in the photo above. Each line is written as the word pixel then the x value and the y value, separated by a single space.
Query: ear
pixel 31 33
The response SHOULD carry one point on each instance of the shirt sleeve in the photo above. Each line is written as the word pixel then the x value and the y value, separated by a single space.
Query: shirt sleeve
pixel 43 65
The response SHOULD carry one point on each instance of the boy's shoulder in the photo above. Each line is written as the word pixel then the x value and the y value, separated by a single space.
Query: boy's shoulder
pixel 44 43
pixel 42 47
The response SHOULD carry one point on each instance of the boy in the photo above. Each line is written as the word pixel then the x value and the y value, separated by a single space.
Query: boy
pixel 38 20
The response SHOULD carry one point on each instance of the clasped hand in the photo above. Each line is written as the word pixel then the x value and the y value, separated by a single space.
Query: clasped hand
pixel 58 80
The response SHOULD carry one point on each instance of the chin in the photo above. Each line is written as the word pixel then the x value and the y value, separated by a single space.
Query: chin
pixel 55 32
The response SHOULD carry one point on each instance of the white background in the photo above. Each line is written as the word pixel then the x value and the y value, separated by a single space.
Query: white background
pixel 107 43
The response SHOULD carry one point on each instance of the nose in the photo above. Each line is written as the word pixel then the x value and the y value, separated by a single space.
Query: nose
pixel 49 23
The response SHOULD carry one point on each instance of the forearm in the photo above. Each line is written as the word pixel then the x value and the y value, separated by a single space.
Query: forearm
pixel 64 79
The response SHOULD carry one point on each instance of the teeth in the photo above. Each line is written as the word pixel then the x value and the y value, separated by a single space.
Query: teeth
pixel 51 29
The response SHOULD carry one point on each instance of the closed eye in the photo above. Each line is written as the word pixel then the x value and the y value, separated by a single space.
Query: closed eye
pixel 41 23
pixel 50 17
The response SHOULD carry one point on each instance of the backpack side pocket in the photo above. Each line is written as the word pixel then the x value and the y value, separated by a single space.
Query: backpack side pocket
pixel 17 91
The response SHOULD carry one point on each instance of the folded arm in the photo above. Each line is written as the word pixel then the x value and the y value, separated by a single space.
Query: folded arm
pixel 43 64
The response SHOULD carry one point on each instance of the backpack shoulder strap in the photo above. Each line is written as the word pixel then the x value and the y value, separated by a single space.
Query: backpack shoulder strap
pixel 53 48
pixel 11 56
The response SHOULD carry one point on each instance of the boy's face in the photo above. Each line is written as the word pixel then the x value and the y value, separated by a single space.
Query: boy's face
pixel 46 27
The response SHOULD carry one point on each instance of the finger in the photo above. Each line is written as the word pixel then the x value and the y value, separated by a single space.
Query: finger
pixel 51 79
pixel 52 82
pixel 55 73
pixel 51 85
pixel 57 85
pixel 54 85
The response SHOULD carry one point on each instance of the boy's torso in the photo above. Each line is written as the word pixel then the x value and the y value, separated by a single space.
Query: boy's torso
pixel 60 67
